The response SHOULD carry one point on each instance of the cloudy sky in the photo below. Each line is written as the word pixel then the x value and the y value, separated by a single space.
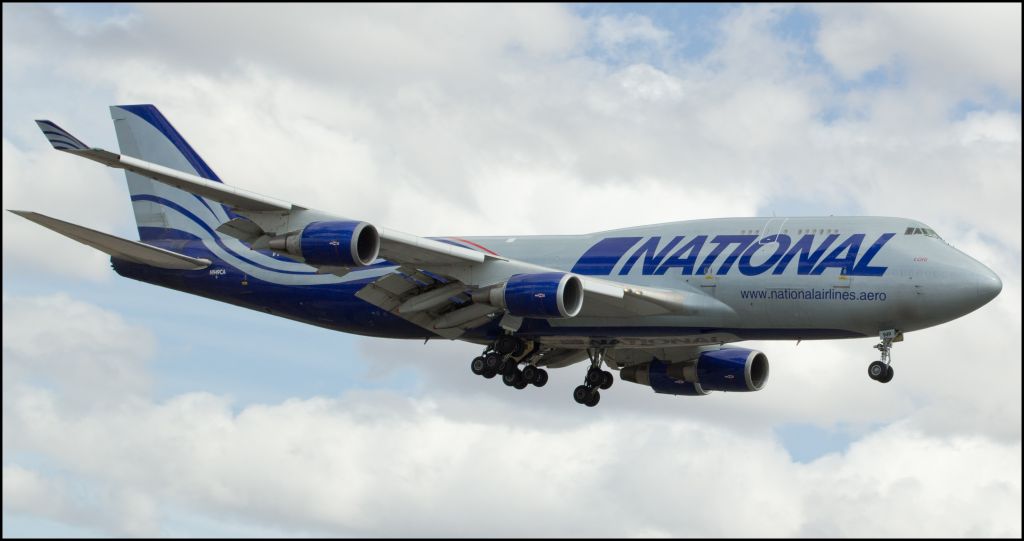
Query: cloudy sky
pixel 133 410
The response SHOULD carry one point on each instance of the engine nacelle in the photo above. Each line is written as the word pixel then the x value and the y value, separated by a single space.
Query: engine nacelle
pixel 725 369
pixel 732 369
pixel 664 378
pixel 336 244
pixel 541 295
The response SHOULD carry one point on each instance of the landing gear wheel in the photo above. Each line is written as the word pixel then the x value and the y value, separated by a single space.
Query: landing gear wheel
pixel 477 366
pixel 510 378
pixel 492 362
pixel 877 370
pixel 521 382
pixel 489 374
pixel 581 394
pixel 530 373
pixel 509 367
pixel 509 345
pixel 888 375
pixel 588 393
pixel 541 378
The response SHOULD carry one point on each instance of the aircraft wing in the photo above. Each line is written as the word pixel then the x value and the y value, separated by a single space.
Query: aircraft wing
pixel 435 281
pixel 395 245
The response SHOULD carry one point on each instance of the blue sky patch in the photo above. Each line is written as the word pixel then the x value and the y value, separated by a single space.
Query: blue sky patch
pixel 806 443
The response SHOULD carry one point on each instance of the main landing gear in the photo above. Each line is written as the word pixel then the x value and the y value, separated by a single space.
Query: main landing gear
pixel 504 357
pixel 588 393
pixel 881 370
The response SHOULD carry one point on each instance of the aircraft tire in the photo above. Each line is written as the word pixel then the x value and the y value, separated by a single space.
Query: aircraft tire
pixel 477 366
pixel 509 378
pixel 607 379
pixel 529 373
pixel 509 367
pixel 876 370
pixel 506 344
pixel 889 373
pixel 492 362
pixel 542 377
pixel 581 394
pixel 594 398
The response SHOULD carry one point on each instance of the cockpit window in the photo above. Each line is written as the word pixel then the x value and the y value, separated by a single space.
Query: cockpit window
pixel 922 231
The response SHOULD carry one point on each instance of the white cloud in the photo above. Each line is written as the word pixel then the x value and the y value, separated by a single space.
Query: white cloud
pixel 351 464
pixel 743 126
pixel 913 485
pixel 26 491
pixel 612 32
pixel 87 508
pixel 94 355
pixel 953 46
pixel 372 462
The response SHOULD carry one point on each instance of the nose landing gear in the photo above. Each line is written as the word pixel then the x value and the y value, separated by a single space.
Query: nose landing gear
pixel 881 370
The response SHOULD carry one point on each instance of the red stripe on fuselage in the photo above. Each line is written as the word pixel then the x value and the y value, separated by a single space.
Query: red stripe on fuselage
pixel 474 244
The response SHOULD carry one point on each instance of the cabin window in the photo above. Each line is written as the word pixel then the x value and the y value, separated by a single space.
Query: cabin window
pixel 922 231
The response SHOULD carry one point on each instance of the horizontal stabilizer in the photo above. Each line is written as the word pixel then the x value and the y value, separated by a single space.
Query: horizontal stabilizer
pixel 116 246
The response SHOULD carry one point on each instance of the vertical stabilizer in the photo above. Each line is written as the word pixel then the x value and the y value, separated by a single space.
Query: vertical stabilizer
pixel 161 211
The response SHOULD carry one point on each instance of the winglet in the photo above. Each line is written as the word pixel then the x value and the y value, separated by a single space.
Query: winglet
pixel 64 141
pixel 59 137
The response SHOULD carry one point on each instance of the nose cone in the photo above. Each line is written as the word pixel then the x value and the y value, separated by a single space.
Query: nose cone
pixel 973 285
pixel 954 286
pixel 987 284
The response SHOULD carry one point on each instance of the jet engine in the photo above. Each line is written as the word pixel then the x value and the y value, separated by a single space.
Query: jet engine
pixel 541 295
pixel 725 369
pixel 336 243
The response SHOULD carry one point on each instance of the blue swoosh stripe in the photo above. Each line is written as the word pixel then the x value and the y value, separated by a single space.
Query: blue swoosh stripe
pixel 205 204
pixel 216 238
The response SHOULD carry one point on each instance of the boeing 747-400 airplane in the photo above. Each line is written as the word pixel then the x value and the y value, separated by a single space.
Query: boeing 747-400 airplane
pixel 659 303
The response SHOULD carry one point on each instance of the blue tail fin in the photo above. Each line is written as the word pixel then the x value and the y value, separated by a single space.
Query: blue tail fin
pixel 161 211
